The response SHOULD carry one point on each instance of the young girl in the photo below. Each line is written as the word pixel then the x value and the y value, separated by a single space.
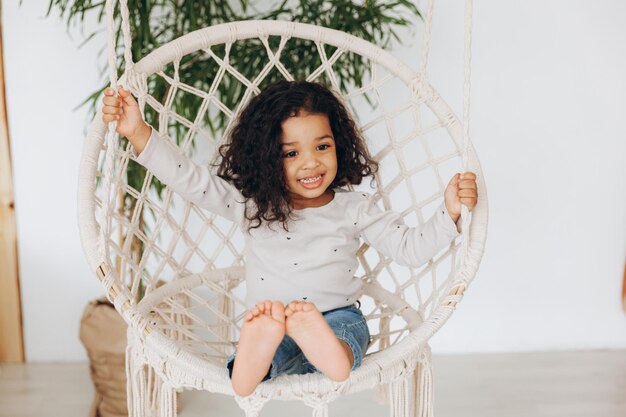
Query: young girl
pixel 280 178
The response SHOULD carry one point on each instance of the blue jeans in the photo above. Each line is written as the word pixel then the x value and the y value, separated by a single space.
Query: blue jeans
pixel 349 325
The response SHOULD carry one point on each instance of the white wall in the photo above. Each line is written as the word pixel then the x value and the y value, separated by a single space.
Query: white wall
pixel 549 93
pixel 548 101
pixel 46 78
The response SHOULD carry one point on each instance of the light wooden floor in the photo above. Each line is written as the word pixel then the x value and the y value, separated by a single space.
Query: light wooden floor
pixel 568 384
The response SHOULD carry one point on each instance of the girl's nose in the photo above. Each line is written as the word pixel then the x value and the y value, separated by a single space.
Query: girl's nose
pixel 311 161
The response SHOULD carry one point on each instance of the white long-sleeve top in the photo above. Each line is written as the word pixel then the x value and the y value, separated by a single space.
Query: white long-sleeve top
pixel 316 259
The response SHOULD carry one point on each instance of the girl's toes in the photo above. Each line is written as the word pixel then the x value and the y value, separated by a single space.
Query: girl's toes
pixel 267 307
pixel 278 311
pixel 292 307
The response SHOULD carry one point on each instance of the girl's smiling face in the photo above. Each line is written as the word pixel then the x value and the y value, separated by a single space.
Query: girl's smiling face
pixel 309 159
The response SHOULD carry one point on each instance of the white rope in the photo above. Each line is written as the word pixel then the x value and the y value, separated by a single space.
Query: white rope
pixel 111 140
pixel 111 36
pixel 128 51
pixel 465 213
pixel 136 380
pixel 111 47
pixel 252 404
pixel 167 406
pixel 426 40
pixel 400 404
pixel 467 24
pixel 423 379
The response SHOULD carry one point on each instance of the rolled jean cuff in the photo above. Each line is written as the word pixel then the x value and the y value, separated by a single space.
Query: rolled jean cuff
pixel 352 343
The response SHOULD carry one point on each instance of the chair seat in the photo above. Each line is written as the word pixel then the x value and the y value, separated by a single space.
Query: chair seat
pixel 193 330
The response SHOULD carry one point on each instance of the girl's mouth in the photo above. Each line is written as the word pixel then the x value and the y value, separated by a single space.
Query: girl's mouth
pixel 311 182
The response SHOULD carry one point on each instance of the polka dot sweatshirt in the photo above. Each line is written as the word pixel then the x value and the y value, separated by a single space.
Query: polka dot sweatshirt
pixel 316 259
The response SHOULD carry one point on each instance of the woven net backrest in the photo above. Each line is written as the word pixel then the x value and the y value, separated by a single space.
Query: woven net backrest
pixel 148 239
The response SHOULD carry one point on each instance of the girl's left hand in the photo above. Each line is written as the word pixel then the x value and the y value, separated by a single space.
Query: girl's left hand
pixel 461 189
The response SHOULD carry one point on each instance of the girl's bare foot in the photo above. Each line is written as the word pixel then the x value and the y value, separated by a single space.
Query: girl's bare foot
pixel 307 327
pixel 262 331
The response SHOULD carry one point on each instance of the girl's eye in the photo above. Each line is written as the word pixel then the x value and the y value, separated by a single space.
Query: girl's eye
pixel 324 146
pixel 290 154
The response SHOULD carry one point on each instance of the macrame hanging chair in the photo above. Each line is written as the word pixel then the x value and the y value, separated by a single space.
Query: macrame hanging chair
pixel 190 272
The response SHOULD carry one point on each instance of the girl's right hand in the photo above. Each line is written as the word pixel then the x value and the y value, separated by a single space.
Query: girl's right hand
pixel 125 111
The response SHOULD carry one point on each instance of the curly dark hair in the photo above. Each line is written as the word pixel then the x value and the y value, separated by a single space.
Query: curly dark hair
pixel 252 159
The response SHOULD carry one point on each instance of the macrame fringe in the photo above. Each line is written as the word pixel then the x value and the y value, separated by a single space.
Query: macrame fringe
pixel 167 401
pixel 319 404
pixel 399 397
pixel 146 393
pixel 423 383
pixel 252 412
pixel 320 411
pixel 136 385
pixel 412 396
pixel 251 405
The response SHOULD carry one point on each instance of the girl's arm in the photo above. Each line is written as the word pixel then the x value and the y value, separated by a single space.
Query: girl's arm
pixel 414 246
pixel 195 183
pixel 386 232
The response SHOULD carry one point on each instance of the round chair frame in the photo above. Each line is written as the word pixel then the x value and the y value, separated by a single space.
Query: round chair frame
pixel 403 367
